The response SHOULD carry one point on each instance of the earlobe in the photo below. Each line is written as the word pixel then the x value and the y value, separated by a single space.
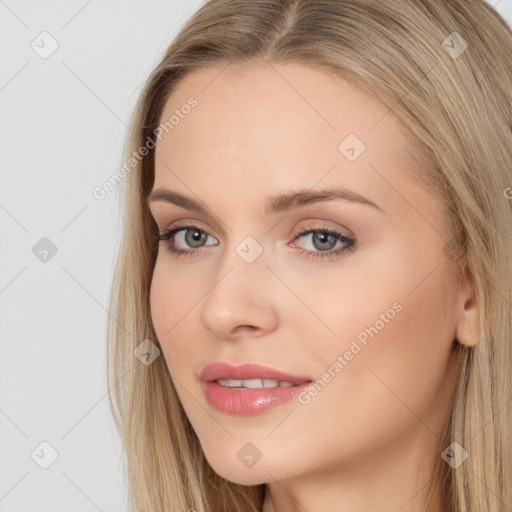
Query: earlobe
pixel 468 325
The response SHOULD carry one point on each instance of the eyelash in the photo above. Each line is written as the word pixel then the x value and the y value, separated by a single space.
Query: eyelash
pixel 351 243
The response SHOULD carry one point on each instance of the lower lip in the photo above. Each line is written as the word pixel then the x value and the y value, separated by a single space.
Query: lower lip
pixel 245 402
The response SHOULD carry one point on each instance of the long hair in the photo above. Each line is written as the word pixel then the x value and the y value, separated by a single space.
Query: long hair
pixel 445 70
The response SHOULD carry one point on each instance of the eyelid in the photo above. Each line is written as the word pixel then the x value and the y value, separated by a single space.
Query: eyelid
pixel 319 224
pixel 184 223
pixel 161 217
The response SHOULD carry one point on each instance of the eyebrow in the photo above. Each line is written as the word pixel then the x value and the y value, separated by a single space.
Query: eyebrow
pixel 274 204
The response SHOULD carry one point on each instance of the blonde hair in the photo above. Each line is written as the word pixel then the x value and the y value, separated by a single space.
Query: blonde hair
pixel 456 109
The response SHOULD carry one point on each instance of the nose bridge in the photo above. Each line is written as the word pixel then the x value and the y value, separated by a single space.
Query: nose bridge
pixel 235 296
pixel 243 255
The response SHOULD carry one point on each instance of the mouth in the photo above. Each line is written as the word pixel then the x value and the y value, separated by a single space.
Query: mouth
pixel 255 383
pixel 249 388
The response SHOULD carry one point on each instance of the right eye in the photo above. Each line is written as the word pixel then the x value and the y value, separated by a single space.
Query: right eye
pixel 191 235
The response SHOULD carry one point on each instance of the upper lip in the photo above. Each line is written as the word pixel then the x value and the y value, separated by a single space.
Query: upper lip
pixel 222 370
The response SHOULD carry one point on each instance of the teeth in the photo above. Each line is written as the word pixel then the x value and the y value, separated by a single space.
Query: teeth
pixel 254 383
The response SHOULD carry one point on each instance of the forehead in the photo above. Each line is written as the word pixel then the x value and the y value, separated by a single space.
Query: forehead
pixel 282 124
pixel 266 96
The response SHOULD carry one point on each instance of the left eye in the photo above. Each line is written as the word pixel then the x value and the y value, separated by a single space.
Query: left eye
pixel 322 240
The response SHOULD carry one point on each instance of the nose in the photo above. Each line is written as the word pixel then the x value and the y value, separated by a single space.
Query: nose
pixel 240 301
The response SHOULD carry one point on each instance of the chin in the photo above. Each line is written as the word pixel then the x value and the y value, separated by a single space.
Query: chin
pixel 247 477
pixel 234 470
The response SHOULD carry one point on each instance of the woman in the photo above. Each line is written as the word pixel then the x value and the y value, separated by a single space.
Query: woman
pixel 312 304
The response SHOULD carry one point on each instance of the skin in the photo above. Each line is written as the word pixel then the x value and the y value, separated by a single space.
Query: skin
pixel 260 131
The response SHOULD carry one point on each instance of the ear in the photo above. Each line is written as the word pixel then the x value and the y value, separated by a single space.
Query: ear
pixel 468 324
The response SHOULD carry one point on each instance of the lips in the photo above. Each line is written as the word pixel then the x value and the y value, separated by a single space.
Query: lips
pixel 221 370
pixel 237 390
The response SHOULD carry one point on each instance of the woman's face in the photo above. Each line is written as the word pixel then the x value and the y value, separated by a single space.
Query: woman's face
pixel 370 325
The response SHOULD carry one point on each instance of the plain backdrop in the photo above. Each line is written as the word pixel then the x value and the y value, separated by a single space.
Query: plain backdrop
pixel 70 75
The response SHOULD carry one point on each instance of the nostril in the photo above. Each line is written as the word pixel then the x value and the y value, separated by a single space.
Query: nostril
pixel 245 328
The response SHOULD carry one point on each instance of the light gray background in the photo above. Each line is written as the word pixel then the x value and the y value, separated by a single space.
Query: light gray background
pixel 63 123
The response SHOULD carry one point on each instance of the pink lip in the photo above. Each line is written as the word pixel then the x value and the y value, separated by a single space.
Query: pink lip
pixel 222 370
pixel 242 401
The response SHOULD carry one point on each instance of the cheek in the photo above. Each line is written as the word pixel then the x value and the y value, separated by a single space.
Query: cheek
pixel 168 306
pixel 176 299
pixel 405 352
pixel 393 328
pixel 170 298
pixel 391 381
